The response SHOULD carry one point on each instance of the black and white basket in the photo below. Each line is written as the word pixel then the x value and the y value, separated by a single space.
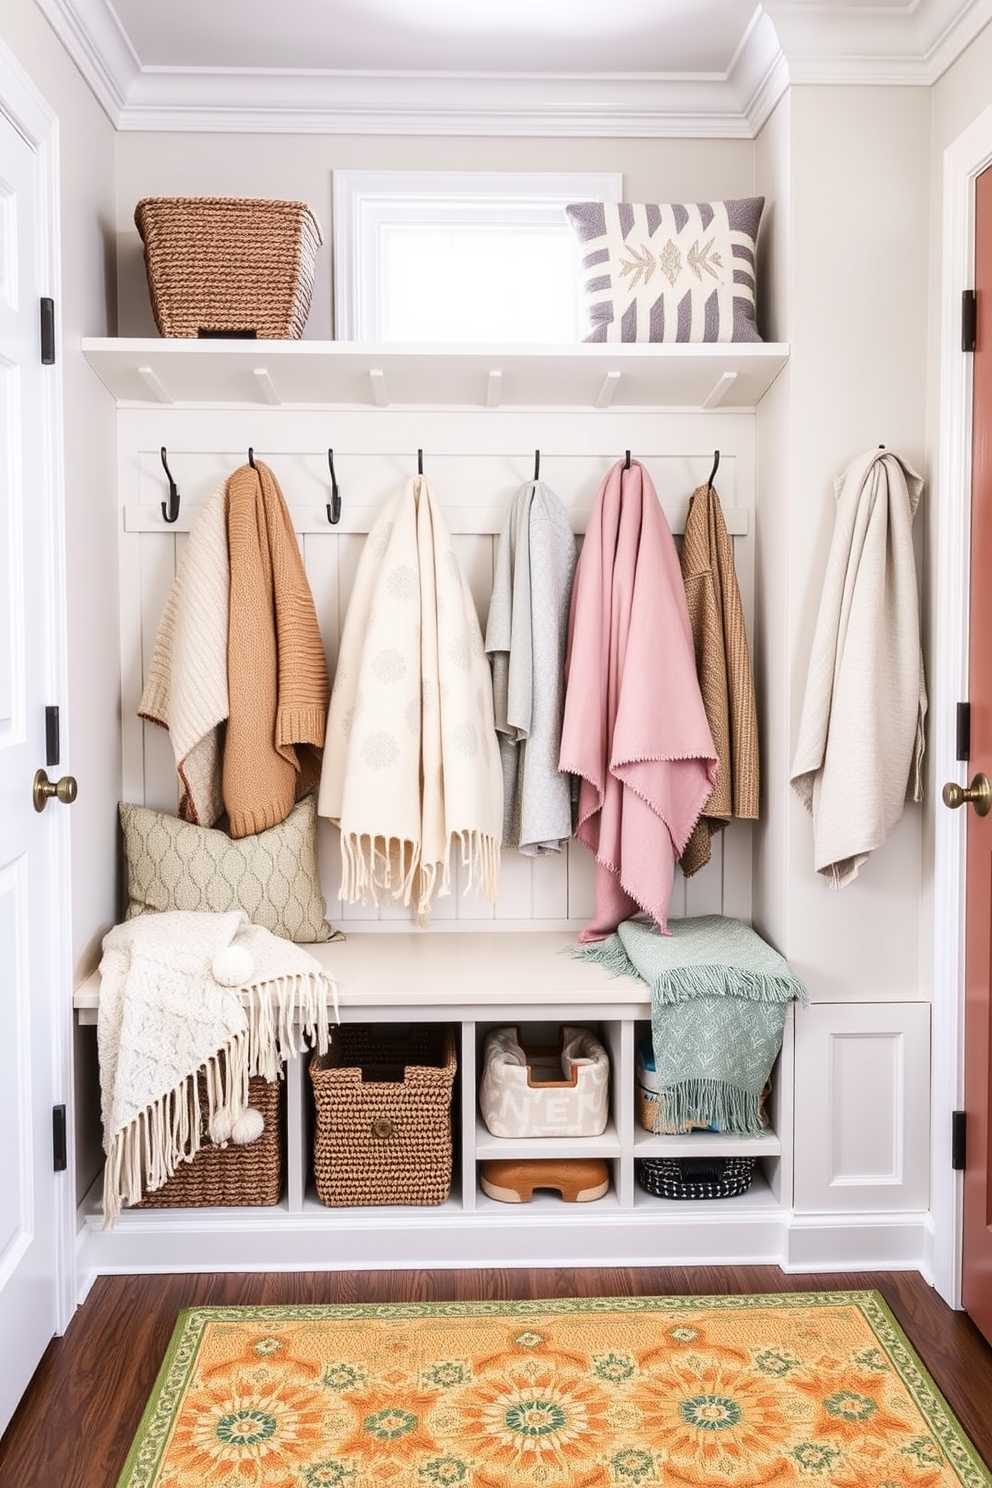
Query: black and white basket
pixel 695 1177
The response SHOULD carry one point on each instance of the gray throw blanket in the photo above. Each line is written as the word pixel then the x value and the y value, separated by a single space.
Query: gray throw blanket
pixel 719 999
pixel 525 637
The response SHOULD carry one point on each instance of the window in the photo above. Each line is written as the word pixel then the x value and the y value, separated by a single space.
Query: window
pixel 459 257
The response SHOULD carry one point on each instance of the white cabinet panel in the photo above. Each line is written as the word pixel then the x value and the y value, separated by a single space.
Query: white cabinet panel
pixel 862 1125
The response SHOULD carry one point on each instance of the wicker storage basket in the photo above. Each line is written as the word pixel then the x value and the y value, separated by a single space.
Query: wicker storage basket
pixel 228 266
pixel 230 1176
pixel 383 1114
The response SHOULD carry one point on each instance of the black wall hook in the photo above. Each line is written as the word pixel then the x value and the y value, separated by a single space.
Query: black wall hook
pixel 716 467
pixel 251 458
pixel 537 465
pixel 420 462
pixel 626 463
pixel 170 512
pixel 334 509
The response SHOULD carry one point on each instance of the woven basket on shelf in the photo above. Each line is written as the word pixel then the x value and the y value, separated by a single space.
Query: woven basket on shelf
pixel 696 1178
pixel 228 266
pixel 230 1176
pixel 382 1099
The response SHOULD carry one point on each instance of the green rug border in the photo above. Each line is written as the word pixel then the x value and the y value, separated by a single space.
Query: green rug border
pixel 149 1439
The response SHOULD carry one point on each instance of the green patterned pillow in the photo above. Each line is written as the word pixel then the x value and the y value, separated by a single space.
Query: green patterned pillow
pixel 272 876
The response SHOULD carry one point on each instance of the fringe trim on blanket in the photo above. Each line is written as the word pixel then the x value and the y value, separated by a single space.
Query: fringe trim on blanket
pixel 712 1102
pixel 683 983
pixel 608 953
pixel 392 867
pixel 145 1154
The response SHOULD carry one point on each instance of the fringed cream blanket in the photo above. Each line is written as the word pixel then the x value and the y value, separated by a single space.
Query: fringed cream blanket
pixel 411 763
pixel 181 991
pixel 186 687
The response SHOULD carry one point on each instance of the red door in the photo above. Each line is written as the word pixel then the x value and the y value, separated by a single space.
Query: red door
pixel 977 1258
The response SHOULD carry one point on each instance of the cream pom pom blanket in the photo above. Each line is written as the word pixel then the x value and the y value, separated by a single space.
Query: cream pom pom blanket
pixel 173 1000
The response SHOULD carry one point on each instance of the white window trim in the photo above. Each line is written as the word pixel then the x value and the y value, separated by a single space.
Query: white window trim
pixel 365 199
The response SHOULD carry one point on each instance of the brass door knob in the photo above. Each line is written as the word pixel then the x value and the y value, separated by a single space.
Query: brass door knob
pixel 64 790
pixel 978 793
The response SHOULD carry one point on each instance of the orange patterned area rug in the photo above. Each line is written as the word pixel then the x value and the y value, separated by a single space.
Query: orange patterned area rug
pixel 613 1392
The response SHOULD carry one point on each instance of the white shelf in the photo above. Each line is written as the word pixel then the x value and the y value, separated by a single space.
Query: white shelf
pixel 706 1144
pixel 300 374
pixel 488 1147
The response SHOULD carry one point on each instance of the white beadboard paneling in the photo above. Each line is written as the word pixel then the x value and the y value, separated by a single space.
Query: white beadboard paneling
pixel 862 1126
pixel 475 462
pixel 549 886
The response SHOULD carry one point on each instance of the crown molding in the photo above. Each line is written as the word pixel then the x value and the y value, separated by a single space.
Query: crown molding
pixel 788 41
pixel 759 73
pixel 911 44
pixel 92 35
pixel 272 102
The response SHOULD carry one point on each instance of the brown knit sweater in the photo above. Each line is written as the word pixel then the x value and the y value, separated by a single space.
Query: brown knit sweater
pixel 276 670
pixel 724 667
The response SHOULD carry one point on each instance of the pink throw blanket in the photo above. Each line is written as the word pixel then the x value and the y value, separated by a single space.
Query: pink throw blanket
pixel 635 728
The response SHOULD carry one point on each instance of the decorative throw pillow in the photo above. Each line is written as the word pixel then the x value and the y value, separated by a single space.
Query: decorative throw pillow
pixel 272 876
pixel 669 272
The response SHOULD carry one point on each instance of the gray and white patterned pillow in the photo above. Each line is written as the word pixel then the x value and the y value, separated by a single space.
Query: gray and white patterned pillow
pixel 669 271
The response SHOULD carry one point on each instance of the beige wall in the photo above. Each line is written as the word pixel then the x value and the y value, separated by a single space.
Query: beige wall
pixel 87 306
pixel 300 168
pixel 855 281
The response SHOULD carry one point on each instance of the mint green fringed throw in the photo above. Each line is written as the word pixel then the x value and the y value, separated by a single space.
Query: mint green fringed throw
pixel 719 999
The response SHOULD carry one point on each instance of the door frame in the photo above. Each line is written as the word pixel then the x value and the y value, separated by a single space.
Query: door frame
pixel 964 160
pixel 29 112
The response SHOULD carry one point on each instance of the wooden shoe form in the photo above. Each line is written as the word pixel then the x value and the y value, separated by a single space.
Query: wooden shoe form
pixel 513 1180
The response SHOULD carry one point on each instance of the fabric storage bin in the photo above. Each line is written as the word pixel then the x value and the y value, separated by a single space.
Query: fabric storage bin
pixel 228 266
pixel 557 1091
pixel 382 1100
pixel 647 1092
pixel 230 1175
pixel 695 1177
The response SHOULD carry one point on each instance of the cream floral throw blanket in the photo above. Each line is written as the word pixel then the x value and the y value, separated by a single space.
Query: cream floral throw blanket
pixel 411 764
pixel 186 990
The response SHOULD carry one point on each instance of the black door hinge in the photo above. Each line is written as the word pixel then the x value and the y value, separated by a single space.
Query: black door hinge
pixel 53 747
pixel 957 1141
pixel 962 731
pixel 969 319
pixel 59 1149
pixel 47 331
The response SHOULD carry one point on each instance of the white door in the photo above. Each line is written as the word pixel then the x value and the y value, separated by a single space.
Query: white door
pixel 33 845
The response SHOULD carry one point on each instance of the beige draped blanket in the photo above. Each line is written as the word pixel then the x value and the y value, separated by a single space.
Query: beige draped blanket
pixel 861 739
pixel 411 765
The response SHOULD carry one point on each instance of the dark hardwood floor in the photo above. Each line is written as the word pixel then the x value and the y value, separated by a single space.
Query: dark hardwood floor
pixel 76 1422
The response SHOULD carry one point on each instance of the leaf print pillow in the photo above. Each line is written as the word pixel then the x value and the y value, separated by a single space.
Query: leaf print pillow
pixel 669 271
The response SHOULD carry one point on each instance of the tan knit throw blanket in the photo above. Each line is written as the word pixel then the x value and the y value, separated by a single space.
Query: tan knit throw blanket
pixel 277 672
pixel 412 763
pixel 723 664
pixel 181 991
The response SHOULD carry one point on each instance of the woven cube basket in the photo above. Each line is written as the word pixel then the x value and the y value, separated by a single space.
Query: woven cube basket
pixel 229 266
pixel 230 1176
pixel 382 1104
